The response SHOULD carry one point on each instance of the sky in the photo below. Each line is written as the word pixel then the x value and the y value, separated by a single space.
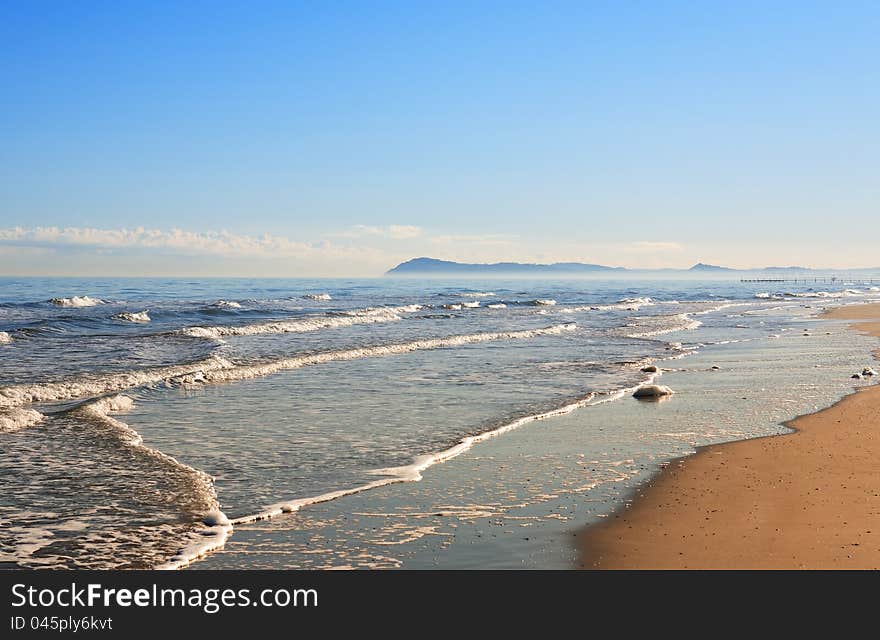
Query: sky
pixel 338 139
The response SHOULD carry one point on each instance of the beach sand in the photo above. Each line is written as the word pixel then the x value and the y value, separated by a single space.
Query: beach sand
pixel 810 499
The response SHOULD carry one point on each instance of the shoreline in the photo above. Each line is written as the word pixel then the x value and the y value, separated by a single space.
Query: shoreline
pixel 807 499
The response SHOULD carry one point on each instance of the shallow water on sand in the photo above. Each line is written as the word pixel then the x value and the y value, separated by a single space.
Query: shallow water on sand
pixel 132 410
pixel 518 501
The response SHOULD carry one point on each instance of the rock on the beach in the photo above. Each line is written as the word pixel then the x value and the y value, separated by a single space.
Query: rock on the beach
pixel 650 369
pixel 652 391
pixel 856 376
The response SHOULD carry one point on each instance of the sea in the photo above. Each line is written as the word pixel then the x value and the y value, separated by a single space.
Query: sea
pixel 370 423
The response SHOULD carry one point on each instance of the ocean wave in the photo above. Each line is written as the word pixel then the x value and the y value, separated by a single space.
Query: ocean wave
pixel 218 369
pixel 470 305
pixel 626 304
pixel 21 394
pixel 373 311
pixel 241 372
pixel 214 528
pixel 499 305
pixel 543 302
pixel 783 295
pixel 226 304
pixel 77 301
pixel 846 293
pixel 309 323
pixel 140 316
pixel 317 296
pixel 477 294
pixel 5 338
pixel 764 295
pixel 649 327
pixel 16 419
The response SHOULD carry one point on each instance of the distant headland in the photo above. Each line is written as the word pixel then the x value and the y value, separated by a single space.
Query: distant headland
pixel 426 267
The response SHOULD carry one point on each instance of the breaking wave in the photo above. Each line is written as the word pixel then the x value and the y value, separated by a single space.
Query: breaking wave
pixel 16 419
pixel 242 372
pixel 226 304
pixel 21 394
pixel 76 301
pixel 140 316
pixel 310 323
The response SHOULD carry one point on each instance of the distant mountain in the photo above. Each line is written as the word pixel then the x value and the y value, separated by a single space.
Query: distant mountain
pixel 700 266
pixel 425 267
pixel 432 266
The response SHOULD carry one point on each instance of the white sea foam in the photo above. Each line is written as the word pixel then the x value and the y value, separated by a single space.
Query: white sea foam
pixel 308 323
pixel 16 419
pixel 207 538
pixel 317 296
pixel 380 311
pixel 499 305
pixel 543 302
pixel 226 304
pixel 76 301
pixel 5 338
pixel 478 294
pixel 242 372
pixel 578 309
pixel 627 304
pixel 650 326
pixel 452 307
pixel 659 325
pixel 208 535
pixel 782 295
pixel 21 394
pixel 101 408
pixel 470 305
pixel 638 301
pixel 140 316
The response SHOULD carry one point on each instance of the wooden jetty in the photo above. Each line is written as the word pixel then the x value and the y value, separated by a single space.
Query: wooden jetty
pixel 816 280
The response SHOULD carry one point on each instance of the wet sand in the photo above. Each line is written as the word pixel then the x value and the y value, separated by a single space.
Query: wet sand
pixel 810 499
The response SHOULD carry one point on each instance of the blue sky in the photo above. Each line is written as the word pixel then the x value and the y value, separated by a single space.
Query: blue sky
pixel 283 138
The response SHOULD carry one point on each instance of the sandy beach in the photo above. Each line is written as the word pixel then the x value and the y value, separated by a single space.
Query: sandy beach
pixel 809 499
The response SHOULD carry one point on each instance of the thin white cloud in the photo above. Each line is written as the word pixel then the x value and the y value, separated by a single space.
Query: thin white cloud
pixel 222 243
pixel 394 232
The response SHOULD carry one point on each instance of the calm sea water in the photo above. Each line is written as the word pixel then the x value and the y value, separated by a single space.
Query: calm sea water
pixel 139 417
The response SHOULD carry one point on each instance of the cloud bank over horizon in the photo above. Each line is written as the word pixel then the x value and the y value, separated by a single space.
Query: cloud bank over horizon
pixel 360 250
